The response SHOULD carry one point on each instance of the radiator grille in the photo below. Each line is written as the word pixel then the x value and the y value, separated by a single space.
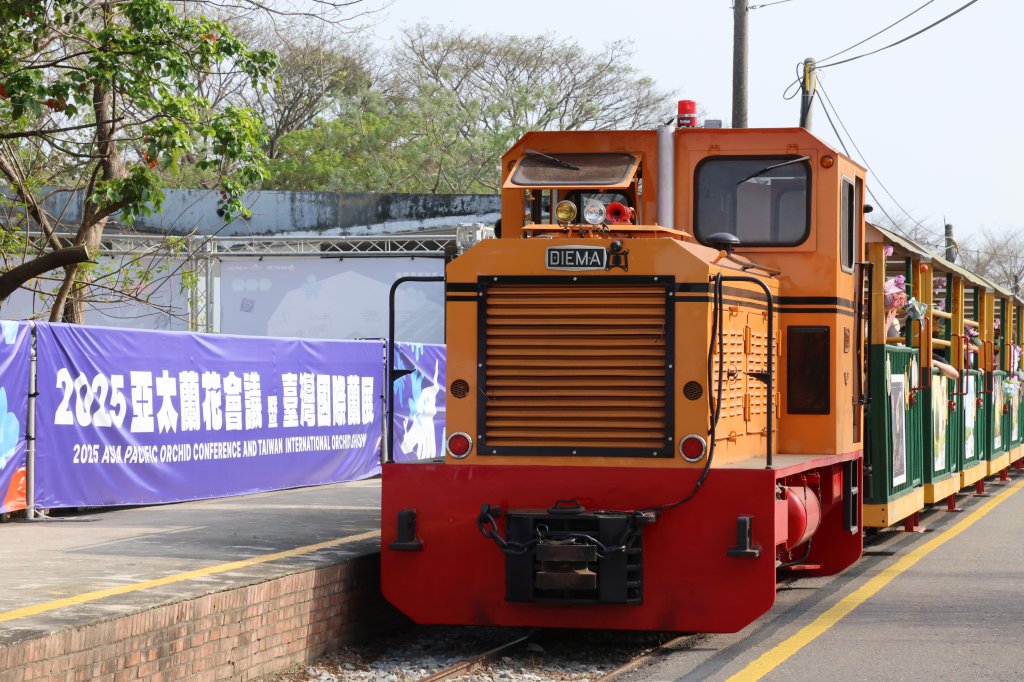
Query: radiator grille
pixel 575 369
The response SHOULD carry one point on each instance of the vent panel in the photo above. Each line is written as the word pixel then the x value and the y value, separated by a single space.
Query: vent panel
pixel 571 367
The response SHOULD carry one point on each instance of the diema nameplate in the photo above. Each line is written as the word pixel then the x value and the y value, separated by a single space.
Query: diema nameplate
pixel 576 258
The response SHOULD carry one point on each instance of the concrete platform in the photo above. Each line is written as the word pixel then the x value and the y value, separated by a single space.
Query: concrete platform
pixel 218 589
pixel 946 604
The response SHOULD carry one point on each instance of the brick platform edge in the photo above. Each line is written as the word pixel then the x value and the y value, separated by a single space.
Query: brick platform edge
pixel 237 634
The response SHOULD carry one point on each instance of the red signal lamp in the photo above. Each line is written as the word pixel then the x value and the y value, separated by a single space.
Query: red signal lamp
pixel 693 448
pixel 687 114
pixel 459 444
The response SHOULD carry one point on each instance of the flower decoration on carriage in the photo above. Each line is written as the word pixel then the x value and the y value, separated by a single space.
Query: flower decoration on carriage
pixel 887 250
pixel 972 341
pixel 916 310
pixel 895 299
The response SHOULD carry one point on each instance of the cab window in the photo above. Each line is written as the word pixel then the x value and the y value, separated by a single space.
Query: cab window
pixel 765 200
pixel 848 225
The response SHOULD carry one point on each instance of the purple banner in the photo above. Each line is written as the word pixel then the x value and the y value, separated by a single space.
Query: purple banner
pixel 419 402
pixel 15 359
pixel 141 417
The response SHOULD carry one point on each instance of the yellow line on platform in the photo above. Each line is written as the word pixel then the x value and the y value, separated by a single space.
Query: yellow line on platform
pixel 180 577
pixel 774 657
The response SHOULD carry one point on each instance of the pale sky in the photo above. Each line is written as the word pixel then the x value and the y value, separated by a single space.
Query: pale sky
pixel 934 117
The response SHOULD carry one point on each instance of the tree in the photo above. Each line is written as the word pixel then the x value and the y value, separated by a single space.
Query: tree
pixel 316 68
pixel 932 239
pixel 447 104
pixel 107 90
pixel 317 64
pixel 998 256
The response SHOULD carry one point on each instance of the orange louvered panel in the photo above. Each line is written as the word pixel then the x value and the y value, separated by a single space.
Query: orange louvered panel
pixel 575 366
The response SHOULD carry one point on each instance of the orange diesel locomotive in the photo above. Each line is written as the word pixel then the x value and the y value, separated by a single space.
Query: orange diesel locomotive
pixel 655 387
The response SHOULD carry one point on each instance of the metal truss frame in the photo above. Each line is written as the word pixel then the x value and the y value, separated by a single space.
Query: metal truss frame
pixel 202 254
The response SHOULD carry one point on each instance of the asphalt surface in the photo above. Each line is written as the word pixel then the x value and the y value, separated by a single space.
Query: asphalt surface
pixel 956 614
pixel 45 561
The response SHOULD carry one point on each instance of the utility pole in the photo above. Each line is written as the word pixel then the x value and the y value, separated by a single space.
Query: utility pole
pixel 739 64
pixel 808 85
pixel 950 244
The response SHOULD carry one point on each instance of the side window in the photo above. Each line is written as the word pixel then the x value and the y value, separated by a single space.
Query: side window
pixel 765 201
pixel 847 225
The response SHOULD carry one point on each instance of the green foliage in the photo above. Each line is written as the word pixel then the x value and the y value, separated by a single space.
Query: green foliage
pixel 103 95
pixel 354 152
pixel 114 83
pixel 449 106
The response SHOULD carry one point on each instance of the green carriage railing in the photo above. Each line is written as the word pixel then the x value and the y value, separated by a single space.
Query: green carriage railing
pixel 1017 412
pixel 997 432
pixel 942 417
pixel 974 436
pixel 895 446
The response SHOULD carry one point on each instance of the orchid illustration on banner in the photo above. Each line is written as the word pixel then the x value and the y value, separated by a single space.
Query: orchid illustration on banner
pixel 10 331
pixel 9 430
pixel 419 426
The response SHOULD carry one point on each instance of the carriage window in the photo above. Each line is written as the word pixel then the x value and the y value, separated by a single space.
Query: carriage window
pixel 765 201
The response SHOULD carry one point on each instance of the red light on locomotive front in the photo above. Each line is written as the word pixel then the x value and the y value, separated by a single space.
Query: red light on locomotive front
pixel 459 445
pixel 693 448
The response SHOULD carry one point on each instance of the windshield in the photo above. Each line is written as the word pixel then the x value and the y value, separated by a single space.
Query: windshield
pixel 537 169
pixel 745 196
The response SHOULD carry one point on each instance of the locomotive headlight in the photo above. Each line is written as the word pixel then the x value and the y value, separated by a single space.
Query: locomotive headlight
pixel 565 212
pixel 693 448
pixel 594 212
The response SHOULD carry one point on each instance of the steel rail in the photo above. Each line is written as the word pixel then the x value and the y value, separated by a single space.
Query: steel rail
pixel 468 665
pixel 660 650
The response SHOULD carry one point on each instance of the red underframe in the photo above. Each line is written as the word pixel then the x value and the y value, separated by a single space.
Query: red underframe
pixel 690 582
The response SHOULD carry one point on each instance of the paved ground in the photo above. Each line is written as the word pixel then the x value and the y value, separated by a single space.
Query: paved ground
pixel 955 614
pixel 46 566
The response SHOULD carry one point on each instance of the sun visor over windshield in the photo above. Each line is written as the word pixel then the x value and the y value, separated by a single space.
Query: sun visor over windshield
pixel 544 169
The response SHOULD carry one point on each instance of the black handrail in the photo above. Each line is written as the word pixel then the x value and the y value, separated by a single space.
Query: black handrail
pixel 389 362
pixel 770 383
pixel 964 371
pixel 870 331
pixel 865 279
pixel 924 328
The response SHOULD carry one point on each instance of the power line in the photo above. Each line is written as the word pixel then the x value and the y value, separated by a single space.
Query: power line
pixel 892 221
pixel 895 224
pixel 846 149
pixel 903 40
pixel 820 65
pixel 868 165
pixel 874 35
pixel 786 93
pixel 768 4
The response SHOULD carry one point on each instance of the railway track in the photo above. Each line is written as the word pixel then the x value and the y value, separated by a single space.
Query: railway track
pixel 478 663
pixel 468 665
pixel 660 650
